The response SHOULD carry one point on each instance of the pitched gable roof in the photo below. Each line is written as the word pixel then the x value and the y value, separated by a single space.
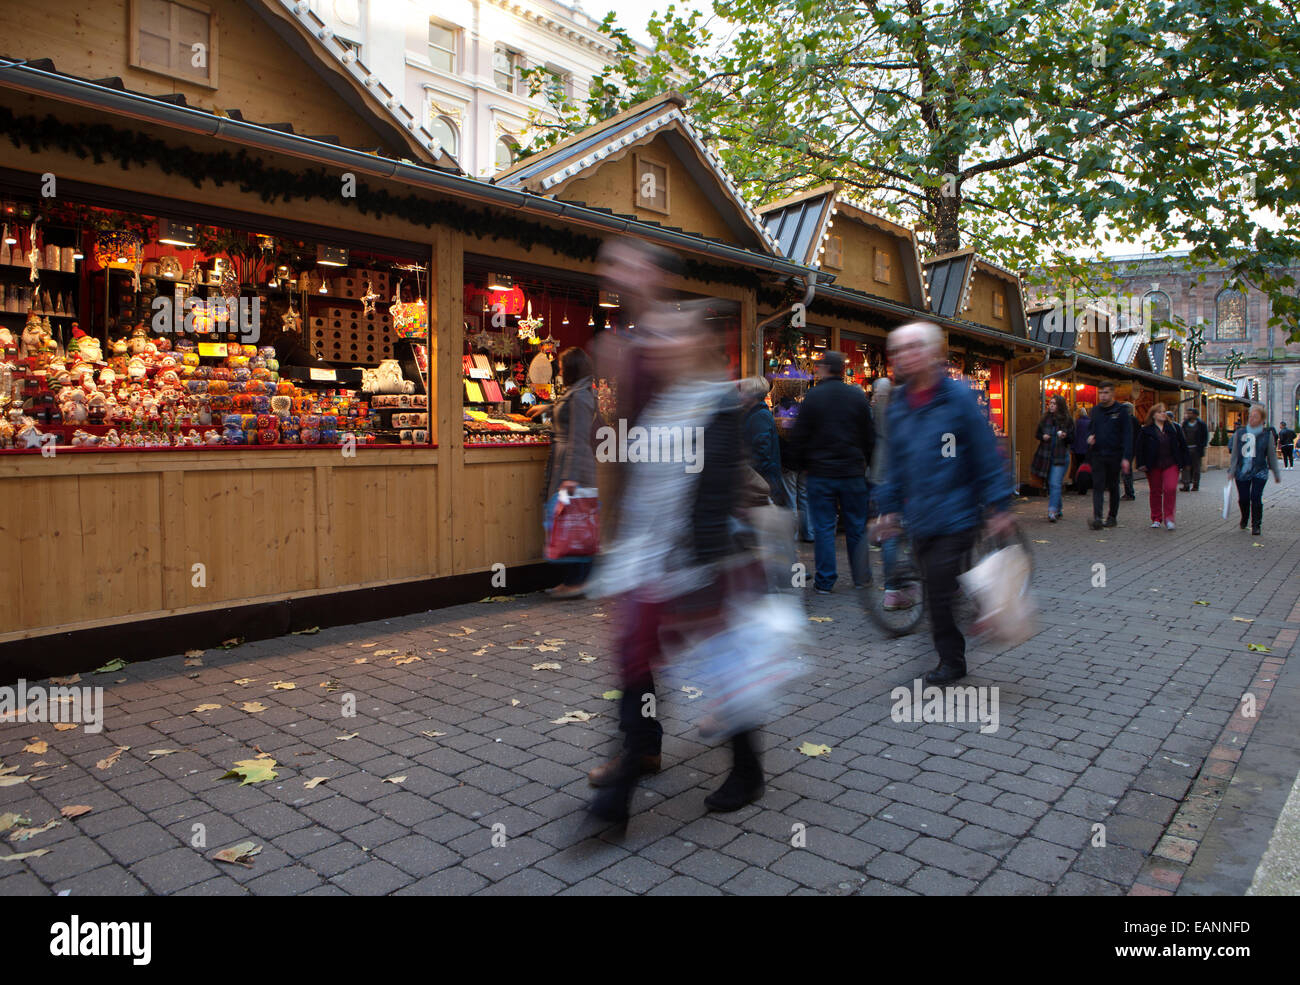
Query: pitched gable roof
pixel 947 282
pixel 299 27
pixel 547 172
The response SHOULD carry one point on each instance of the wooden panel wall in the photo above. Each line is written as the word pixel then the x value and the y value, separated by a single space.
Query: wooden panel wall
pixel 505 525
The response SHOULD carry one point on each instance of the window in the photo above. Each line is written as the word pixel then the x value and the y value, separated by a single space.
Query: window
pixel 557 87
pixel 445 132
pixel 999 302
pixel 883 271
pixel 833 252
pixel 651 185
pixel 507 151
pixel 1155 309
pixel 175 39
pixel 442 46
pixel 1230 314
pixel 506 65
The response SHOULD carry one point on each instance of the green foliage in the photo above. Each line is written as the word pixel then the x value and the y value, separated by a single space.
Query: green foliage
pixel 1030 131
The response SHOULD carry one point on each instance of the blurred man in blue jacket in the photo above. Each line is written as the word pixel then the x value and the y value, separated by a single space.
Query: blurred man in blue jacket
pixel 943 473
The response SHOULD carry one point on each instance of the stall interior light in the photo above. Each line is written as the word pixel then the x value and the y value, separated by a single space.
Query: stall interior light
pixel 331 256
pixel 500 282
pixel 324 287
pixel 608 299
pixel 177 233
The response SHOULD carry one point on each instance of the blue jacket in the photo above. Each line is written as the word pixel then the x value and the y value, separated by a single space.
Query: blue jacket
pixel 764 448
pixel 944 466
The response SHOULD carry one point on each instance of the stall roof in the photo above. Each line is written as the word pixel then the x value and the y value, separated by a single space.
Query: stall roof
pixel 1046 327
pixel 947 280
pixel 546 172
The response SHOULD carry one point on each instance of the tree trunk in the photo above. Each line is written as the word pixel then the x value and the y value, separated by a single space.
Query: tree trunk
pixel 945 210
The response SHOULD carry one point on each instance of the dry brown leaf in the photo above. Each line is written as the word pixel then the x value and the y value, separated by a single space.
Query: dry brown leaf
pixel 570 717
pixel 315 782
pixel 442 649
pixel 245 681
pixel 514 702
pixel 64 681
pixel 360 660
pixel 37 746
pixel 65 726
pixel 433 735
pixel 13 781
pixel 366 646
pixel 108 761
pixel 19 856
pixel 585 658
pixel 75 810
pixel 283 685
pixel 555 642
pixel 548 649
pixel 395 780
pixel 410 658
pixel 384 653
pixel 344 738
pixel 8 820
pixel 22 834
pixel 252 707
pixel 240 854
pixel 207 707
pixel 546 666
pixel 162 752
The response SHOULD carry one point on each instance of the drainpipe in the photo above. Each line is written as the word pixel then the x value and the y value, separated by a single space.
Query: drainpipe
pixel 1014 409
pixel 810 285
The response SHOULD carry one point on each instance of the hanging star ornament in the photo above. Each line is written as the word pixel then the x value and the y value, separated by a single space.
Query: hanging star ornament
pixel 290 320
pixel 34 255
pixel 368 300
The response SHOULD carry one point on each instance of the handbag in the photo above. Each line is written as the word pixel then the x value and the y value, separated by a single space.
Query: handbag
pixel 575 526
pixel 1000 586
pixel 1042 463
pixel 1227 496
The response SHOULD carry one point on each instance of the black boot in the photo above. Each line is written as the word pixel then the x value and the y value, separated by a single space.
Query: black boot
pixel 945 674
pixel 612 803
pixel 745 784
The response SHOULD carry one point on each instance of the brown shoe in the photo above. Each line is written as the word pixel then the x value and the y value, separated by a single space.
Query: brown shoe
pixel 603 776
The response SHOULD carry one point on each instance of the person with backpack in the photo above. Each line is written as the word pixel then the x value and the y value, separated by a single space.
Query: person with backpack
pixel 1196 435
pixel 1286 445
pixel 1162 453
pixel 1110 453
pixel 1055 436
pixel 1253 457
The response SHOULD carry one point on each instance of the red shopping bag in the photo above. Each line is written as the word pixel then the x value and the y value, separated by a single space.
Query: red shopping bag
pixel 575 527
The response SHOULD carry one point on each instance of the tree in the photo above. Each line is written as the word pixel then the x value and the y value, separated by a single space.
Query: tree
pixel 1030 131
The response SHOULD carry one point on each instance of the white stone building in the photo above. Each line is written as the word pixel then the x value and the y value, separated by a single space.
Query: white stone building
pixel 459 64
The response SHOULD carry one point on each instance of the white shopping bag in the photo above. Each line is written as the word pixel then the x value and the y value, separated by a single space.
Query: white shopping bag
pixel 1227 497
pixel 999 584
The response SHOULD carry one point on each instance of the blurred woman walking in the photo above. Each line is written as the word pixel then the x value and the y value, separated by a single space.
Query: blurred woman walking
pixel 1162 453
pixel 1052 459
pixel 1254 456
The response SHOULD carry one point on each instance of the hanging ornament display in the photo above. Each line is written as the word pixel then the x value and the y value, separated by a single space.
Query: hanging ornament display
pixel 529 325
pixel 482 340
pixel 410 318
pixel 34 255
pixel 368 300
pixel 120 247
pixel 291 319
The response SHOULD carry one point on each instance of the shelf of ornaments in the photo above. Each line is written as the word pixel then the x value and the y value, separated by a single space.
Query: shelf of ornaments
pixel 26 267
pixel 42 314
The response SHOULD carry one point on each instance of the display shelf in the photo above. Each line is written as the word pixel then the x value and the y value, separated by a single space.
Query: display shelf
pixel 43 314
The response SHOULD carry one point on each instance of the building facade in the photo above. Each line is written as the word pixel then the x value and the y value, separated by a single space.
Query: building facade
pixel 467 65
pixel 1229 317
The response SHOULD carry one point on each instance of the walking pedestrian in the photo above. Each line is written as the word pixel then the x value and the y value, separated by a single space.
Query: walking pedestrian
pixel 1079 447
pixel 1110 452
pixel 1135 427
pixel 833 440
pixel 762 444
pixel 1197 437
pixel 1055 437
pixel 572 461
pixel 676 562
pixel 786 412
pixel 1253 457
pixel 1162 453
pixel 944 472
pixel 1286 445
pixel 897 597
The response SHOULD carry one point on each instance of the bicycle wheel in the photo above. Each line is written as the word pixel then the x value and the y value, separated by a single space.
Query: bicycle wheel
pixel 902 589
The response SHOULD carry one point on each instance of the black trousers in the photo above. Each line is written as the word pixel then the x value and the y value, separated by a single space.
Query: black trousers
pixel 1288 453
pixel 1250 499
pixel 1105 479
pixel 942 558
pixel 1192 470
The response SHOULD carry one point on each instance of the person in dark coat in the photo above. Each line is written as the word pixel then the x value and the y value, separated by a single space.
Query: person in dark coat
pixel 1079 447
pixel 833 439
pixel 1110 452
pixel 1136 425
pixel 1197 436
pixel 762 443
pixel 1286 445
pixel 1162 453
pixel 572 462
pixel 1055 435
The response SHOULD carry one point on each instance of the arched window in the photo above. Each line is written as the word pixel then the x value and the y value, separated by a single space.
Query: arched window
pixel 445 131
pixel 507 151
pixel 1230 314
pixel 1155 309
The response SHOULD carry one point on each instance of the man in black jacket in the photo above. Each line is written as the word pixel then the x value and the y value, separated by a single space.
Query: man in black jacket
pixel 1286 445
pixel 1197 436
pixel 833 439
pixel 1136 427
pixel 1110 445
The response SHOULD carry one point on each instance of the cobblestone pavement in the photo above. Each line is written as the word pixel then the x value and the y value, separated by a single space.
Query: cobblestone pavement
pixel 1108 715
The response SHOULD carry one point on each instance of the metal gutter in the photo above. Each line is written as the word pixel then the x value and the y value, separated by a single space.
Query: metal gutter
pixel 23 78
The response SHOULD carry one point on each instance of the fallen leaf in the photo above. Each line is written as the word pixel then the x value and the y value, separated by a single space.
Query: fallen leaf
pixel 514 702
pixel 330 686
pixel 37 746
pixel 570 717
pixel 519 648
pixel 500 598
pixel 1199 602
pixel 315 782
pixel 13 781
pixel 433 735
pixel 7 769
pixel 598 615
pixel 66 680
pixel 19 856
pixel 361 660
pixel 548 649
pixel 193 661
pixel 8 820
pixel 22 834
pixel 585 658
pixel 820 619
pixel 1240 619
pixel 481 653
pixel 231 643
pixel 253 770
pixel 395 780
pixel 283 685
pixel 117 663
pixel 441 649
pixel 65 726
pixel 410 658
pixel 1042 542
pixel 306 632
pixel 384 653
pixel 75 810
pixel 40 762
pixel 108 761
pixel 162 752
pixel 692 692
pixel 1258 648
pixel 239 854
pixel 546 666
pixel 245 681
pixel 808 749
pixel 207 707
pixel 344 738
pixel 555 642
pixel 612 695
pixel 366 646
pixel 253 707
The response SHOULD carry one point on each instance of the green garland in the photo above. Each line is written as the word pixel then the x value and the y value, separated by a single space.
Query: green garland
pixel 131 148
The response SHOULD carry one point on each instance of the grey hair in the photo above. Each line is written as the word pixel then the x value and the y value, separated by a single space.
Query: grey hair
pixel 929 331
pixel 753 387
pixel 1263 412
